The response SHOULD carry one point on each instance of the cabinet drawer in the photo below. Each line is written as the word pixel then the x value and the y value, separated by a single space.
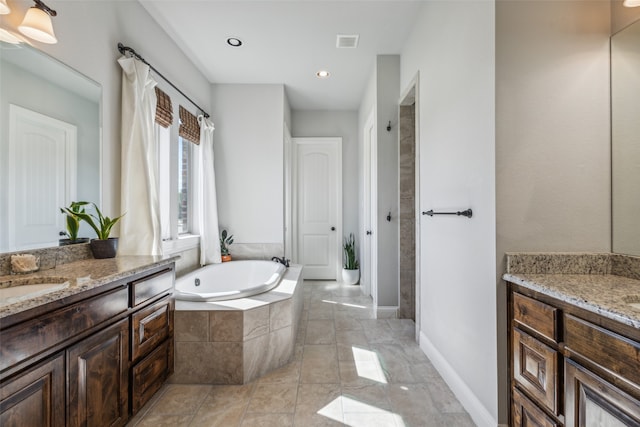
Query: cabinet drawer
pixel 525 413
pixel 150 326
pixel 613 352
pixel 535 368
pixel 149 375
pixel 27 339
pixel 149 287
pixel 592 401
pixel 536 315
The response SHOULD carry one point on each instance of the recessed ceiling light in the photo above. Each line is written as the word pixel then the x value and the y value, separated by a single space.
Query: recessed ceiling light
pixel 234 42
pixel 322 74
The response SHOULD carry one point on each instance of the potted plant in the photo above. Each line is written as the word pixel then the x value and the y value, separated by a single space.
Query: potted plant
pixel 350 272
pixel 225 241
pixel 104 246
pixel 73 224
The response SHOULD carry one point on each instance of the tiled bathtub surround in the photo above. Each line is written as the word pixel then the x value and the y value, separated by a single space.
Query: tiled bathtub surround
pixel 263 251
pixel 234 342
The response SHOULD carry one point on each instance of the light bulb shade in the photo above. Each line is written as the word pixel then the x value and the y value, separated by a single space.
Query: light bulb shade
pixel 631 3
pixel 9 37
pixel 37 25
pixel 4 7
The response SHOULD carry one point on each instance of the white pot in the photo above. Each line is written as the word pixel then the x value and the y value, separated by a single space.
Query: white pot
pixel 350 277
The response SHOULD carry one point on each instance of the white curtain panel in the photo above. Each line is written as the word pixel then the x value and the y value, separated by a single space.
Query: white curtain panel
pixel 208 215
pixel 140 227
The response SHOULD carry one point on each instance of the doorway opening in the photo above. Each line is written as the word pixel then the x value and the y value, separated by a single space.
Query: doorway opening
pixel 408 179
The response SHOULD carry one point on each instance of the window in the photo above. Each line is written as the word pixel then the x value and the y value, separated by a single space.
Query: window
pixel 184 181
pixel 177 187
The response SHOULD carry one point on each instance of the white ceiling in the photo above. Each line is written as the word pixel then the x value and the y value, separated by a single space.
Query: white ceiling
pixel 286 42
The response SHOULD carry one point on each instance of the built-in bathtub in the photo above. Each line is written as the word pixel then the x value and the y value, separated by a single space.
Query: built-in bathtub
pixel 229 280
pixel 234 341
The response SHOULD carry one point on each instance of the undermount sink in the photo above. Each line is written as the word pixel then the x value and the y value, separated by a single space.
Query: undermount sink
pixel 633 301
pixel 15 290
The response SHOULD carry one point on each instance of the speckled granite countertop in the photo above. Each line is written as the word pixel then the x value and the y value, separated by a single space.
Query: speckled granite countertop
pixel 606 284
pixel 82 276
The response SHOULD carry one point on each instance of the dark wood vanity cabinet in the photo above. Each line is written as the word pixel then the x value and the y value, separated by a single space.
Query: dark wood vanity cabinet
pixel 92 362
pixel 571 367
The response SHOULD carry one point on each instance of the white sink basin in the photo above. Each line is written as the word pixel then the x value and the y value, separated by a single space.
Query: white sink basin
pixel 20 292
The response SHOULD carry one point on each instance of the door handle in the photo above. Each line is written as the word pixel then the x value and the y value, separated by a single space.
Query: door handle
pixel 333 229
pixel 369 232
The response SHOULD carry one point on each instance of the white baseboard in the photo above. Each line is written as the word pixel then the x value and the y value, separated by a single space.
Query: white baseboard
pixel 386 312
pixel 467 398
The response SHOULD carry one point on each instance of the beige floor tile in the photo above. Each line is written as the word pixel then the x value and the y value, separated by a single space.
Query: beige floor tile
pixel 179 399
pixel 320 332
pixel 219 416
pixel 289 373
pixel 373 419
pixel 162 420
pixel 319 370
pixel 228 395
pixel 443 398
pixel 410 399
pixel 274 398
pixel 267 420
pixel 347 324
pixel 326 351
pixel 368 398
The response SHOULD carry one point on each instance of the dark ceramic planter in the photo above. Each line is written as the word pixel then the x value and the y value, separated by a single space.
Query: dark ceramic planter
pixel 104 248
pixel 65 242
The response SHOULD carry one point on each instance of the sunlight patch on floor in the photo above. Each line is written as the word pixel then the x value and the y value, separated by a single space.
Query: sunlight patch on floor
pixel 368 365
pixel 354 413
pixel 344 303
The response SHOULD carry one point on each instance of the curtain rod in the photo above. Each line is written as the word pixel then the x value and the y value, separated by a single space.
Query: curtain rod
pixel 124 49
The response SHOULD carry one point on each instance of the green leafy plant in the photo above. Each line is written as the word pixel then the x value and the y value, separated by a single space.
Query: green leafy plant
pixel 101 224
pixel 349 246
pixel 73 221
pixel 225 241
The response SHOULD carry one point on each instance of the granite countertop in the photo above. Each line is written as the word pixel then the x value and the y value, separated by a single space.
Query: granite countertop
pixel 608 295
pixel 81 276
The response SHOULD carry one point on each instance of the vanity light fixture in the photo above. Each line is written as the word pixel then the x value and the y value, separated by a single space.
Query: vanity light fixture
pixel 234 42
pixel 323 74
pixel 4 8
pixel 631 3
pixel 37 23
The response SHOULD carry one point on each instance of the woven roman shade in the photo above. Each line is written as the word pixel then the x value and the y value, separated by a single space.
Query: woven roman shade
pixel 164 110
pixel 189 127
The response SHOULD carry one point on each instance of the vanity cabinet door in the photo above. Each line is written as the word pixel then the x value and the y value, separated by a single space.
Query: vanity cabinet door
pixel 35 398
pixel 591 401
pixel 98 378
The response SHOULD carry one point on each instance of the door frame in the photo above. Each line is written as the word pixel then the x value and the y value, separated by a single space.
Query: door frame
pixel 412 93
pixel 336 142
pixel 370 203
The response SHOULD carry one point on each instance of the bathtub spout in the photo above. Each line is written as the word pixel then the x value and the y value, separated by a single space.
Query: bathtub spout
pixel 284 261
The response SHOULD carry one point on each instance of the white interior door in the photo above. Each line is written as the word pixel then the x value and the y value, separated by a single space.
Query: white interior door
pixel 40 147
pixel 369 279
pixel 318 193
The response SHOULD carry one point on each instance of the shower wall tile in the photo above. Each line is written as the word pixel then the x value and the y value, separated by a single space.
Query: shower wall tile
pixel 262 251
pixel 226 326
pixel 281 344
pixel 191 326
pixel 256 322
pixel 228 357
pixel 195 363
pixel 281 314
pixel 255 357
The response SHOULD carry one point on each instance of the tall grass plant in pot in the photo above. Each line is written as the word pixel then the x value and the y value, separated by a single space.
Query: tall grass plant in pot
pixel 351 266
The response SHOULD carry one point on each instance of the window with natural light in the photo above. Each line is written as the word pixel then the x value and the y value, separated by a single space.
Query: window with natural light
pixel 184 181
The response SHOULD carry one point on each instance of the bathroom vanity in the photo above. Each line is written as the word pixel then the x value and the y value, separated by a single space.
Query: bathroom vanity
pixel 574 343
pixel 92 353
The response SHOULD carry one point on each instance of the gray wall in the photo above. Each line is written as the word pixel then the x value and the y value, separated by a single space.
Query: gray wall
pixel 552 142
pixel 343 124
pixel 452 49
pixel 249 160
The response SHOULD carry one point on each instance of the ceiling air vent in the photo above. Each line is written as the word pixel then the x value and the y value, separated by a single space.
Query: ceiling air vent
pixel 347 41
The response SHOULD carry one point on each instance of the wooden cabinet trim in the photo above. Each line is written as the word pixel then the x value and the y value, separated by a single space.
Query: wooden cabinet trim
pixel 535 368
pixel 151 286
pixel 148 376
pixel 36 336
pixel 526 414
pixel 150 326
pixel 538 316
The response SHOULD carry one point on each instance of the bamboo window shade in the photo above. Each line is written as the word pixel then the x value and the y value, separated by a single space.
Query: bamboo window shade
pixel 164 109
pixel 189 126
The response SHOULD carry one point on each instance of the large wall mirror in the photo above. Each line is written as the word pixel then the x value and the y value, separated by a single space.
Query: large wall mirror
pixel 625 139
pixel 50 144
